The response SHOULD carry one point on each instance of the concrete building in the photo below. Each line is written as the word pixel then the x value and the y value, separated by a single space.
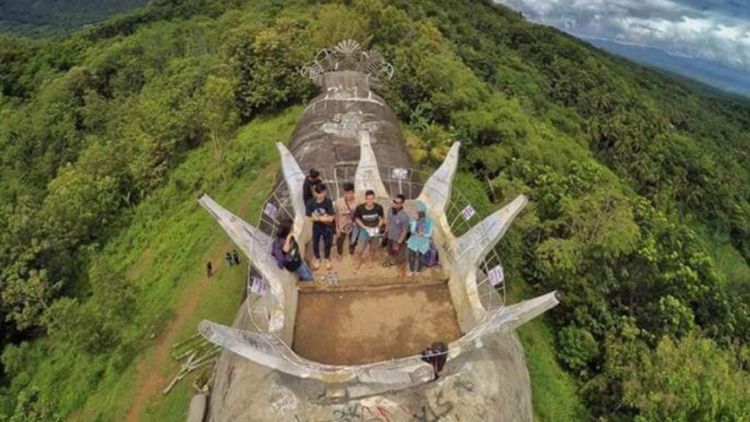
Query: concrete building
pixel 347 346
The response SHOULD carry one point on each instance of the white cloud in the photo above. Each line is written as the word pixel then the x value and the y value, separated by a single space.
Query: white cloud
pixel 715 30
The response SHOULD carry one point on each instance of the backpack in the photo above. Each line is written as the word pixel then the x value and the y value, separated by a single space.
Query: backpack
pixel 430 259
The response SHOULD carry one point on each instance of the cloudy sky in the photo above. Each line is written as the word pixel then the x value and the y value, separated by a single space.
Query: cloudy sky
pixel 712 30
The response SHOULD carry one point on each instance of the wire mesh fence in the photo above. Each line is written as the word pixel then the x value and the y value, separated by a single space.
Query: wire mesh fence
pixel 406 181
pixel 409 182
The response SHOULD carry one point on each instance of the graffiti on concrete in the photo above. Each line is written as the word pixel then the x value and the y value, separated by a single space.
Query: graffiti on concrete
pixel 440 410
pixel 449 252
pixel 347 124
pixel 434 413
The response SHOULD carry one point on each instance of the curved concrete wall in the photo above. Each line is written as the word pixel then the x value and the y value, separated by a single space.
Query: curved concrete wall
pixel 334 127
pixel 326 135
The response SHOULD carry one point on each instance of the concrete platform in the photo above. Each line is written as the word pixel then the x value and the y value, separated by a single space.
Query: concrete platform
pixel 493 385
pixel 363 326
pixel 489 383
pixel 372 313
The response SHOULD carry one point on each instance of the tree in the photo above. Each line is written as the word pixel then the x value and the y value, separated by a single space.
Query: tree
pixel 577 348
pixel 221 115
pixel 688 380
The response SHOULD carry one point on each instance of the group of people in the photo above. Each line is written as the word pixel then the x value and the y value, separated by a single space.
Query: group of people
pixel 363 228
pixel 232 258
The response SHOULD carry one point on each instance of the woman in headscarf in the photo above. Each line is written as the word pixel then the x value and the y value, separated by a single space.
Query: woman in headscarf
pixel 419 241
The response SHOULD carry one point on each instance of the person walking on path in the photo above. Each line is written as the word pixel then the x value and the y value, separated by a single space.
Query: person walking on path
pixel 285 250
pixel 369 218
pixel 396 231
pixel 320 211
pixel 235 257
pixel 419 241
pixel 344 208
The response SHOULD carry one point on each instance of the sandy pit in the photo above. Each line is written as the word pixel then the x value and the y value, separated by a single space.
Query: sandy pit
pixel 371 313
pixel 368 326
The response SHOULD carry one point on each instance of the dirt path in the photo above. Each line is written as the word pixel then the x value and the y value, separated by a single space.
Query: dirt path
pixel 150 379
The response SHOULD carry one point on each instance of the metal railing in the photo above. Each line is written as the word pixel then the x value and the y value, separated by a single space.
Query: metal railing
pixel 406 181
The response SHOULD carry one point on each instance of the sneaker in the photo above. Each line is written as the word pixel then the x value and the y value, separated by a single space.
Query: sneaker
pixel 329 264
pixel 315 265
pixel 409 274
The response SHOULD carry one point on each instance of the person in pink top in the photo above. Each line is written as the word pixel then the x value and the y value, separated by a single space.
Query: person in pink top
pixel 344 208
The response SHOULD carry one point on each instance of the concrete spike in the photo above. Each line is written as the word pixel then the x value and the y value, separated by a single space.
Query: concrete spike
pixel 256 245
pixel 268 351
pixel 367 175
pixel 437 191
pixel 510 317
pixel 465 291
pixel 295 180
pixel 264 350
pixel 480 239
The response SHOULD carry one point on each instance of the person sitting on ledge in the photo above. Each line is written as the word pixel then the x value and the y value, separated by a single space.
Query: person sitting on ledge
pixel 436 355
pixel 369 218
pixel 419 241
pixel 287 253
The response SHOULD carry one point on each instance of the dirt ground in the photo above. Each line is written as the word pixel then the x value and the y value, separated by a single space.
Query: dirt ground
pixel 150 379
pixel 369 270
pixel 372 313
pixel 360 327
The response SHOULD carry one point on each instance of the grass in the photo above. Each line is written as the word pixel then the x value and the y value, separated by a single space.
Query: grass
pixel 728 260
pixel 163 251
pixel 554 392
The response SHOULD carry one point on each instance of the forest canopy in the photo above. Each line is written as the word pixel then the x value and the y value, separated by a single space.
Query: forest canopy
pixel 639 183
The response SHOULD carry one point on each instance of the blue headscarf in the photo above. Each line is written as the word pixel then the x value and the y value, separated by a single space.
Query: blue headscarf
pixel 420 243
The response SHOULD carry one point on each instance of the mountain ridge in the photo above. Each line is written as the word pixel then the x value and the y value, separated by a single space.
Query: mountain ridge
pixel 728 80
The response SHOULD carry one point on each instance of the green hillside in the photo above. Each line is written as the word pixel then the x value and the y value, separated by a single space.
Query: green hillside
pixel 639 188
pixel 48 17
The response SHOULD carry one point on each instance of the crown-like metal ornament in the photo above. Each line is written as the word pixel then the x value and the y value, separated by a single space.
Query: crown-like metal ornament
pixel 348 55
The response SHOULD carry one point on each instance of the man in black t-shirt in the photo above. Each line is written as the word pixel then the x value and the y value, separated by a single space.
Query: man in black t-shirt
pixel 308 187
pixel 369 218
pixel 320 211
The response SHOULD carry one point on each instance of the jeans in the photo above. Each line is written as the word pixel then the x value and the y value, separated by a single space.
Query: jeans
pixel 393 257
pixel 304 272
pixel 322 232
pixel 340 239
pixel 415 261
